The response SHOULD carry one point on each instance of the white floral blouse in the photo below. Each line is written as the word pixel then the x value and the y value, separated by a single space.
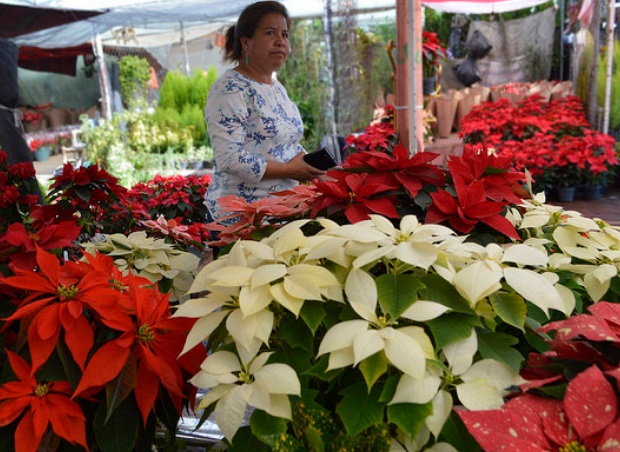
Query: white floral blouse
pixel 249 123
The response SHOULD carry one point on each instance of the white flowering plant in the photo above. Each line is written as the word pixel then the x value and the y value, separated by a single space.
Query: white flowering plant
pixel 365 336
pixel 160 262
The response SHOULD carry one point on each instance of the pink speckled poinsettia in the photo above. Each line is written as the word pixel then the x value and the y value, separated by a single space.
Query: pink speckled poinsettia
pixel 587 419
pixel 583 361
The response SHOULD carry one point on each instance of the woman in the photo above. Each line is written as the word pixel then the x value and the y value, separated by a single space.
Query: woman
pixel 254 127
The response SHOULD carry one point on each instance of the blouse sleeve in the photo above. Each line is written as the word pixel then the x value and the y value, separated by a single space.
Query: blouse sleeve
pixel 227 114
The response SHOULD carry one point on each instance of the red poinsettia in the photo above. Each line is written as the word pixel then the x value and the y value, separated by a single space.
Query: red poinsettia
pixel 59 298
pixel 20 243
pixel 376 137
pixel 432 53
pixel 469 207
pixel 40 404
pixel 358 194
pixel 552 140
pixel 148 350
pixel 413 172
pixel 501 183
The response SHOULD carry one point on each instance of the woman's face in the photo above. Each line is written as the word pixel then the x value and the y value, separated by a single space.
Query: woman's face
pixel 268 49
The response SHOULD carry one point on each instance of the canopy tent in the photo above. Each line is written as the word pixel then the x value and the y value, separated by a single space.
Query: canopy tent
pixel 480 6
pixel 161 16
pixel 16 20
pixel 61 61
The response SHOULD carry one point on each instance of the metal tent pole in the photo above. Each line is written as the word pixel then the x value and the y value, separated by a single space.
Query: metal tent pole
pixel 103 76
pixel 185 54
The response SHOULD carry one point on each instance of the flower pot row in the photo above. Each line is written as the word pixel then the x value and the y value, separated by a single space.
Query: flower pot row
pixel 570 194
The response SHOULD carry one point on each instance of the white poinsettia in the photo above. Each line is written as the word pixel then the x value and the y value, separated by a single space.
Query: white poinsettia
pixel 413 243
pixel 222 305
pixel 151 258
pixel 350 342
pixel 235 384
pixel 243 284
pixel 538 214
pixel 521 266
pixel 481 385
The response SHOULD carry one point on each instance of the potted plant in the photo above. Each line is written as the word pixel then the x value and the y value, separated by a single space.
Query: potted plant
pixel 41 148
pixel 32 120
pixel 432 54
pixel 552 140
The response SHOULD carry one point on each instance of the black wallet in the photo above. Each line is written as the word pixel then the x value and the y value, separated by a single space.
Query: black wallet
pixel 320 159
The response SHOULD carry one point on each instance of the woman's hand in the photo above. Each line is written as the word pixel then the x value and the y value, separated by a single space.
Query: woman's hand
pixel 296 168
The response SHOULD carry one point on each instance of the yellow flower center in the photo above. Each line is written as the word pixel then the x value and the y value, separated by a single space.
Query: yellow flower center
pixel 41 390
pixel 246 377
pixel 67 292
pixel 573 446
pixel 34 237
pixel 118 285
pixel 146 333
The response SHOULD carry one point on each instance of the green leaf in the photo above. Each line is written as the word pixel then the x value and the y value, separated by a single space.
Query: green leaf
pixel 119 433
pixel 510 307
pixel 120 388
pixel 295 334
pixel 451 327
pixel 315 440
pixel 146 437
pixel 318 370
pixel 373 367
pixel 498 346
pixel 358 409
pixel 397 292
pixel 313 314
pixel 439 290
pixel 389 388
pixel 266 427
pixel 409 417
pixel 166 411
pixel 299 359
pixel 71 369
pixel 454 432
pixel 83 192
pixel 244 441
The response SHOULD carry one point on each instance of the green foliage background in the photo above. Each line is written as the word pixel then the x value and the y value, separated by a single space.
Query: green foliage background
pixel 182 100
pixel 134 74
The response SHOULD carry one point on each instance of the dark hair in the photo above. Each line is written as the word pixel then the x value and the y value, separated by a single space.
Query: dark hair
pixel 246 26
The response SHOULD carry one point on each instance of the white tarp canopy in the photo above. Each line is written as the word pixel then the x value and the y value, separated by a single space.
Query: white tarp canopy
pixel 160 16
pixel 156 17
pixel 480 6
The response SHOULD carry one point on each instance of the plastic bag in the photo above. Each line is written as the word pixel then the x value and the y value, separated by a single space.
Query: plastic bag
pixel 467 72
pixel 478 45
